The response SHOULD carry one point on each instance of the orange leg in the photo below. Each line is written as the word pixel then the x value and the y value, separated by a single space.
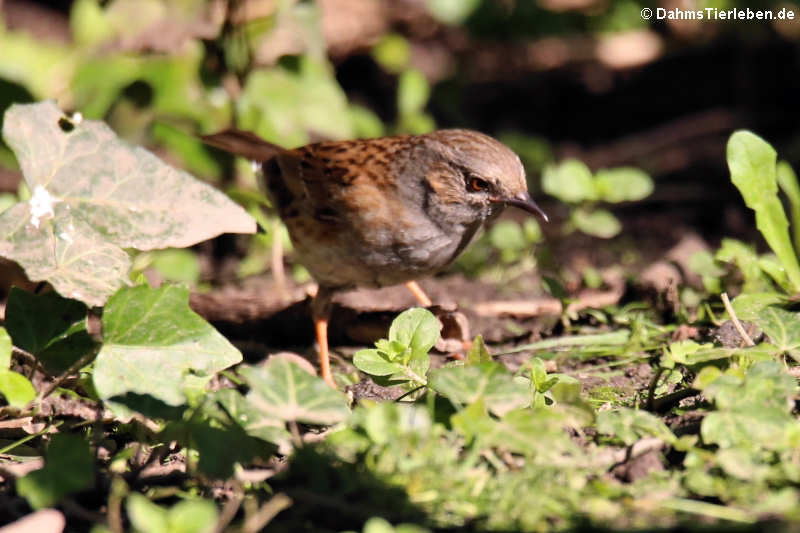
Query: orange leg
pixel 419 294
pixel 321 327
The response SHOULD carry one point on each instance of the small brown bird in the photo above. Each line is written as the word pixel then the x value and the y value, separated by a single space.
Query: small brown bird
pixel 378 212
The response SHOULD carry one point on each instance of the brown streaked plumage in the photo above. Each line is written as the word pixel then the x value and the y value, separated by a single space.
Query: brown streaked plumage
pixel 378 212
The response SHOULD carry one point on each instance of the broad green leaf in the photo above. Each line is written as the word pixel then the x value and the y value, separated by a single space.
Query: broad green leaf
pixel 630 425
pixel 388 421
pixel 781 326
pixel 508 237
pixel 463 385
pixel 749 306
pixel 281 389
pixel 16 388
pixel 752 426
pixel 623 184
pixel 5 347
pixel 598 223
pixel 416 328
pixel 282 105
pixel 753 170
pixel 255 422
pixel 79 262
pixel 94 194
pixel 146 516
pixel 48 326
pixel 155 345
pixel 787 180
pixel 689 353
pixel 412 92
pixel 212 441
pixel 570 181
pixel 193 516
pixel 374 363
pixel 68 468
pixel 766 384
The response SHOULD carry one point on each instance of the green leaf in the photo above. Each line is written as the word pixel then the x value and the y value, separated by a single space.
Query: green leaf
pixel 570 181
pixel 452 11
pixel 93 195
pixel 375 363
pixel 146 516
pixel 749 306
pixel 781 326
pixel 16 388
pixel 746 259
pixel 255 422
pixel 623 184
pixel 68 468
pixel 178 265
pixel 281 389
pixel 598 223
pixel 155 345
pixel 753 170
pixel 416 328
pixel 5 347
pixel 787 180
pixel 630 425
pixel 48 326
pixel 507 236
pixel 463 385
pixel 413 92
pixel 283 104
pixel 193 516
pixel 477 352
pixel 702 263
pixel 392 52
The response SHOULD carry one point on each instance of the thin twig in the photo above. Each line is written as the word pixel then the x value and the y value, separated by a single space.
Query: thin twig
pixel 738 325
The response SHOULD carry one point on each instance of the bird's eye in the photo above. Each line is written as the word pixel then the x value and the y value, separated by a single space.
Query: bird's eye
pixel 477 185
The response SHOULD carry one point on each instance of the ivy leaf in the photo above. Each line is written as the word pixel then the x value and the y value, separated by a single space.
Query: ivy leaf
pixel 48 326
pixel 416 328
pixel 68 468
pixel 155 345
pixel 93 195
pixel 281 389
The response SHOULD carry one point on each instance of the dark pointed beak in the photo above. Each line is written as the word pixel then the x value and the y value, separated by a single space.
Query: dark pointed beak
pixel 524 201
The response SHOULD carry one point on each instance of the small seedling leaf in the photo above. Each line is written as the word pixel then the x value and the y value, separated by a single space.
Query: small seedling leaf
pixel 463 385
pixel 375 363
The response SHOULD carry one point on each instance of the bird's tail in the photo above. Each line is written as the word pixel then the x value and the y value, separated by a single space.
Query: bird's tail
pixel 243 143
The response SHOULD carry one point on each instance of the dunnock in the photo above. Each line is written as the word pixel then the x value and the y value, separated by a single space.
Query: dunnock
pixel 378 212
